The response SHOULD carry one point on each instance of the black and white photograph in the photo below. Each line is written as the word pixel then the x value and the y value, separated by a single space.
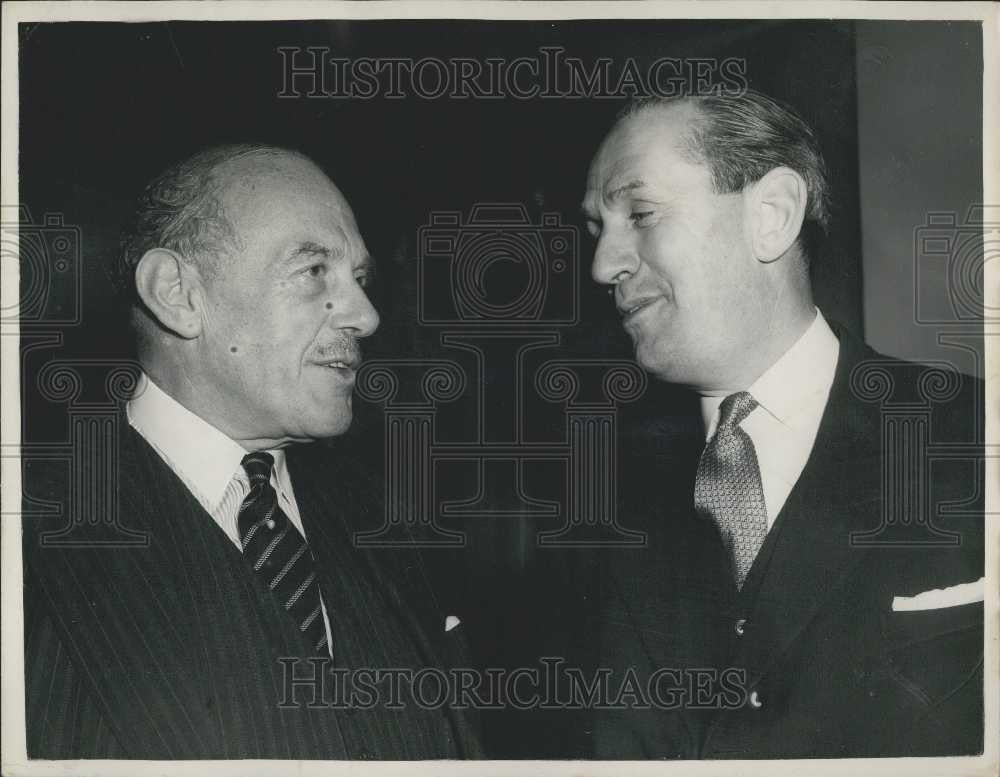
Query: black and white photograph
pixel 484 387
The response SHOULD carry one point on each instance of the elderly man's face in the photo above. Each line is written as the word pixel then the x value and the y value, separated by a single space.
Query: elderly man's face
pixel 284 313
pixel 674 250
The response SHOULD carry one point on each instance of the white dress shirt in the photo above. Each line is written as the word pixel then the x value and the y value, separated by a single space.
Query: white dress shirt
pixel 791 396
pixel 207 461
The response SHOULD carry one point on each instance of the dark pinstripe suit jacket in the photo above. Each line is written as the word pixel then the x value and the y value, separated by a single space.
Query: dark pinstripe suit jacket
pixel 171 650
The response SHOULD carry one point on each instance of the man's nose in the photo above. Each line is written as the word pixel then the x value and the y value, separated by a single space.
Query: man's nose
pixel 614 259
pixel 359 313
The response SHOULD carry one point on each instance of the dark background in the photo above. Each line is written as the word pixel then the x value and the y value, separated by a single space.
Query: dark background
pixel 104 107
pixel 107 106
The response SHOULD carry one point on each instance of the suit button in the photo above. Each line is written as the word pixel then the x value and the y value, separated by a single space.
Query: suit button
pixel 755 701
pixel 739 626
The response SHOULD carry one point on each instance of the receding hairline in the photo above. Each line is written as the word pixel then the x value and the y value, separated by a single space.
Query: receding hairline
pixel 692 116
pixel 685 141
pixel 241 168
pixel 247 184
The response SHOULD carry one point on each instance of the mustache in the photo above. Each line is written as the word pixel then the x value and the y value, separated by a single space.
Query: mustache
pixel 343 347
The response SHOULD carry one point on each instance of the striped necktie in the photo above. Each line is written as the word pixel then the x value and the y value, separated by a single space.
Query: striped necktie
pixel 278 552
pixel 728 489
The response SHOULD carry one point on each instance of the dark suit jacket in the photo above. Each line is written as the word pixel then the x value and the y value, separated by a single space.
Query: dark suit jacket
pixel 171 650
pixel 830 669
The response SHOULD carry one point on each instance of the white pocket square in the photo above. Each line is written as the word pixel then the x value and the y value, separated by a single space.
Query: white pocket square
pixel 938 598
pixel 451 622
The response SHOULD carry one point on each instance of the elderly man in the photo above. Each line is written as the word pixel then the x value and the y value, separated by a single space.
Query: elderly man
pixel 764 553
pixel 247 274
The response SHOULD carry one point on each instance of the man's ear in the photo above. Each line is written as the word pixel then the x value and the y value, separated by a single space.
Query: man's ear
pixel 778 203
pixel 171 290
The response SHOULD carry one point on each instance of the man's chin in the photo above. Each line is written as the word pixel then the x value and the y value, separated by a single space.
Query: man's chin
pixel 647 358
pixel 336 426
pixel 658 364
pixel 331 420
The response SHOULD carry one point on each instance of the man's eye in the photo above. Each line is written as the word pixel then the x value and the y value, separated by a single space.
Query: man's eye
pixel 639 217
pixel 316 270
pixel 365 279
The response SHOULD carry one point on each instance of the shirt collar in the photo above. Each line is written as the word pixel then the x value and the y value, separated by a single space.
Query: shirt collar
pixel 282 480
pixel 795 384
pixel 204 457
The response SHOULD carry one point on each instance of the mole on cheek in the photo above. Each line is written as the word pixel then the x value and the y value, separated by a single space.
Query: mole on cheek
pixel 329 306
pixel 233 349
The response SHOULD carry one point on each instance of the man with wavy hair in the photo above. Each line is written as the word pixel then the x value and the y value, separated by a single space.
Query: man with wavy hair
pixel 813 565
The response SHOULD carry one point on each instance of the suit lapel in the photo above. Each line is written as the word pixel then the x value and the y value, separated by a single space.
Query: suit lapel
pixel 809 551
pixel 372 623
pixel 178 639
pixel 330 526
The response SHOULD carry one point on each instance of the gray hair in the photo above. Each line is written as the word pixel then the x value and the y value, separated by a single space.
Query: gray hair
pixel 181 210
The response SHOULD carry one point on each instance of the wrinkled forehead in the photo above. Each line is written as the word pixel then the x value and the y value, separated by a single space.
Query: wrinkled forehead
pixel 643 146
pixel 283 189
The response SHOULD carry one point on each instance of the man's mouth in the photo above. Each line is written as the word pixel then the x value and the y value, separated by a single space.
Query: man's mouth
pixel 345 366
pixel 630 308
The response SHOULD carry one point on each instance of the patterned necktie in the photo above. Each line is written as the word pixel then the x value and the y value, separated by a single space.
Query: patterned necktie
pixel 278 552
pixel 727 488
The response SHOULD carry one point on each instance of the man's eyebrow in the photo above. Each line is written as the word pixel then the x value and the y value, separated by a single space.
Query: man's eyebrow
pixel 624 189
pixel 309 248
pixel 611 196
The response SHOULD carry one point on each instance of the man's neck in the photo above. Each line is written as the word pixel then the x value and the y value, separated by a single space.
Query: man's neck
pixel 784 332
pixel 182 386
